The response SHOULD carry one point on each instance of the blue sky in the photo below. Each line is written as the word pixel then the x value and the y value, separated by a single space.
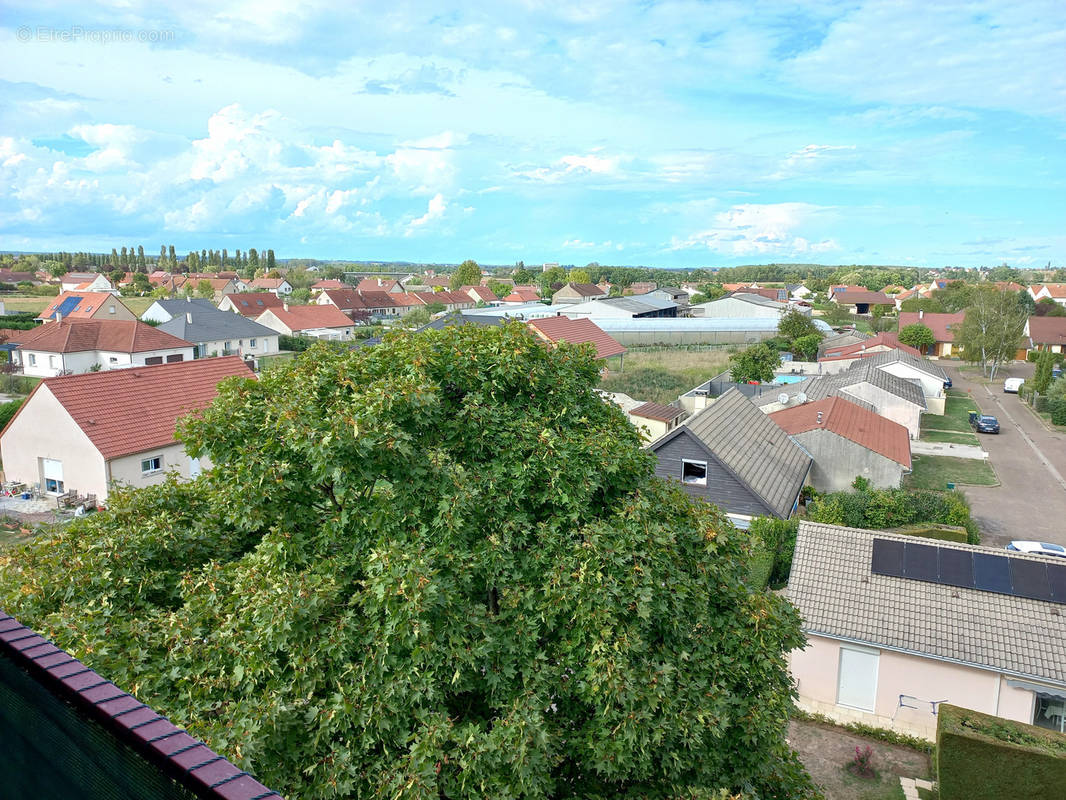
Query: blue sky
pixel 670 134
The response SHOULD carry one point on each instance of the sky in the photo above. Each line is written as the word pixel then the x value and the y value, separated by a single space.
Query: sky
pixel 666 134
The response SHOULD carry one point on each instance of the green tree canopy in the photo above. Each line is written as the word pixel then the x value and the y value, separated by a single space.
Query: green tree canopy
pixel 927 304
pixel 369 597
pixel 917 335
pixel 757 363
pixel 466 274
pixel 205 289
pixel 794 324
pixel 579 276
pixel 992 330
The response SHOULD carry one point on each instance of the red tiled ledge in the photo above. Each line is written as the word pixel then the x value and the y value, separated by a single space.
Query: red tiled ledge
pixel 178 754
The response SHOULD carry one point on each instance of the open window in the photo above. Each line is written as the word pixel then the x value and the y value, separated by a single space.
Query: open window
pixel 694 472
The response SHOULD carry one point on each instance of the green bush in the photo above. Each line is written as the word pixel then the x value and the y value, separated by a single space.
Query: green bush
pixel 981 757
pixel 778 538
pixel 296 344
pixel 877 509
pixel 8 410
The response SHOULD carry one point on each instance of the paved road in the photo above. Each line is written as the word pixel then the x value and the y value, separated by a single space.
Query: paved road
pixel 1030 461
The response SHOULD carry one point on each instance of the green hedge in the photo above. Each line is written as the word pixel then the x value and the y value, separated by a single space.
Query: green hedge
pixel 776 538
pixel 981 757
pixel 878 509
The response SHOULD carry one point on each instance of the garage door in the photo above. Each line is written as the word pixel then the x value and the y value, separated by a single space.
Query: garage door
pixel 858 678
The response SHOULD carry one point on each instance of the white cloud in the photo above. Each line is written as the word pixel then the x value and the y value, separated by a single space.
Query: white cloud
pixel 435 210
pixel 751 229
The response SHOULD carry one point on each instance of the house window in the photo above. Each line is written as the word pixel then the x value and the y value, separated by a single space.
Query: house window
pixel 52 361
pixel 53 486
pixel 694 472
pixel 52 475
pixel 110 309
pixel 251 342
pixel 153 360
pixel 1050 712
pixel 857 680
pixel 150 465
pixel 175 357
pixel 112 359
pixel 33 360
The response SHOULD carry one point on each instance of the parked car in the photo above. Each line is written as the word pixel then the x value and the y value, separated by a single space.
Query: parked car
pixel 1038 548
pixel 984 423
pixel 1013 385
pixel 947 383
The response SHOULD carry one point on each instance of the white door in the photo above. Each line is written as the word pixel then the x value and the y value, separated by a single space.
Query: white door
pixel 857 685
pixel 194 467
pixel 52 475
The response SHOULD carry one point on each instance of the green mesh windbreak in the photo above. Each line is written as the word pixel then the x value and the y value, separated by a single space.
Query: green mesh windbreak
pixel 54 750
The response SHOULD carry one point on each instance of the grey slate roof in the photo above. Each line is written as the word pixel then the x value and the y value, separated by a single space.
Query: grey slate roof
pixel 211 325
pixel 838 596
pixel 756 299
pixel 893 356
pixel 841 340
pixel 863 371
pixel 807 387
pixel 754 447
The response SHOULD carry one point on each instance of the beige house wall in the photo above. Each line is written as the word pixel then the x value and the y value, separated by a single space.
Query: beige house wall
pixel 44 429
pixel 264 345
pixel 127 469
pixel 815 669
pixel 889 405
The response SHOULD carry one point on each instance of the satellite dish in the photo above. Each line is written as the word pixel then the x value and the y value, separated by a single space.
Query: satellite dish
pixel 783 398
pixel 801 398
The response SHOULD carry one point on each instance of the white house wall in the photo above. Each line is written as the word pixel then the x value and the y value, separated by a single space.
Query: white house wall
pixel 44 429
pixel 889 405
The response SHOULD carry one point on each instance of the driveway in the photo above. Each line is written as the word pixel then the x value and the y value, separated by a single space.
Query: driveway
pixel 1030 461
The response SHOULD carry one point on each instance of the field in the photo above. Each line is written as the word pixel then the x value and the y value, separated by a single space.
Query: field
pixel 662 376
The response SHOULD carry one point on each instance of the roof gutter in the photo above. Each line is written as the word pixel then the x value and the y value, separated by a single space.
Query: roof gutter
pixel 945 659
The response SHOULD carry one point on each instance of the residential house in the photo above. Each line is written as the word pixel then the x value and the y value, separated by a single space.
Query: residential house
pixel 380 304
pixel 278 286
pixel 897 625
pixel 741 305
pixel 888 395
pixel 86 282
pixel 577 293
pixel 74 346
pixel 641 306
pixel 845 338
pixel 640 287
pixel 733 455
pixel 328 283
pixel 93 730
pixel 555 330
pixel 520 297
pixel 797 291
pixel 847 441
pixel 347 300
pixel 86 305
pixel 194 282
pixel 769 292
pixel 1044 333
pixel 85 433
pixel 386 285
pixel 250 304
pixel 317 322
pixel 678 297
pixel 910 367
pixel 655 420
pixel 1051 291
pixel 840 357
pixel 862 301
pixel 220 333
pixel 452 301
pixel 943 327
pixel 481 294
pixel 9 276
pixel 165 310
pixel 843 287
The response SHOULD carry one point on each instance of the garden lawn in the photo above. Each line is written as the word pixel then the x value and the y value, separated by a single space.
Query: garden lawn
pixel 663 375
pixel 936 472
pixel 956 415
pixel 949 437
pixel 34 305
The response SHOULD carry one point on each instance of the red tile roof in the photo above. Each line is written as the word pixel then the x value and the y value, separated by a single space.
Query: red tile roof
pixel 1047 330
pixel 882 341
pixel 252 304
pixel 90 303
pixel 344 299
pixel 115 335
pixel 853 422
pixel 483 293
pixel 379 285
pixel 586 289
pixel 127 411
pixel 379 299
pixel 522 296
pixel 850 297
pixel 657 411
pixel 1053 289
pixel 268 283
pixel 302 318
pixel 940 324
pixel 330 283
pixel 577 331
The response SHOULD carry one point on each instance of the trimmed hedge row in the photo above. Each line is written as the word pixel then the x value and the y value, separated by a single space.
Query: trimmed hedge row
pixel 877 509
pixel 981 757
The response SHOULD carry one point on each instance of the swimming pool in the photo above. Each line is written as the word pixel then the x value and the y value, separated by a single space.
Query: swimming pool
pixel 783 379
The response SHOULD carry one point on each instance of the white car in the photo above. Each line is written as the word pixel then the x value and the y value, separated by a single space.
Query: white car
pixel 1038 548
pixel 1013 385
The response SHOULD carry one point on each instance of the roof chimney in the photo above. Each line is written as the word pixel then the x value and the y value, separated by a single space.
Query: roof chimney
pixel 819 417
pixel 285 306
pixel 921 313
pixel 59 316
pixel 188 318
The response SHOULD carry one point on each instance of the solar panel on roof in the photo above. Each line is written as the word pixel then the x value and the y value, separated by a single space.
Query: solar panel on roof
pixel 887 558
pixel 956 567
pixel 991 573
pixel 920 561
pixel 68 305
pixel 1029 579
pixel 1056 574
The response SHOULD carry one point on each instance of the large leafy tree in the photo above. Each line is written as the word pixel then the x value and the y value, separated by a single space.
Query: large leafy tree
pixel 992 330
pixel 466 274
pixel 369 597
pixel 917 335
pixel 756 363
